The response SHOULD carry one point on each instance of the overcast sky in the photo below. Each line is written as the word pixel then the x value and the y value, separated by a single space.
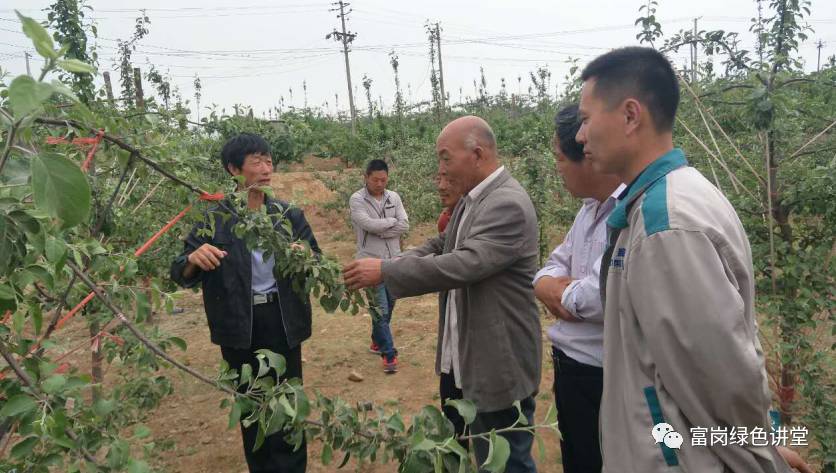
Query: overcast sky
pixel 254 52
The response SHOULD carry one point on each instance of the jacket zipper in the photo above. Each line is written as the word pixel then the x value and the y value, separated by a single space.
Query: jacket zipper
pixel 382 214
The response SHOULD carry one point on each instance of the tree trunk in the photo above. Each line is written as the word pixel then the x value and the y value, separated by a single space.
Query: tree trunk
pixel 96 359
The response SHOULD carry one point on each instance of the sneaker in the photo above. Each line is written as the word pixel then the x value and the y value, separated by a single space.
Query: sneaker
pixel 373 348
pixel 390 366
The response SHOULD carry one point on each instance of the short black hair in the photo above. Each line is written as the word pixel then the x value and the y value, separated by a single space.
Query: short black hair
pixel 643 73
pixel 377 165
pixel 566 126
pixel 240 146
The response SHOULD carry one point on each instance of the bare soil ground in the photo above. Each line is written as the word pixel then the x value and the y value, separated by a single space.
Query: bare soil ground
pixel 192 418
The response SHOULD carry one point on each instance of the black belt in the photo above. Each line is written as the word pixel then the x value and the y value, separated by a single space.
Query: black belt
pixel 268 298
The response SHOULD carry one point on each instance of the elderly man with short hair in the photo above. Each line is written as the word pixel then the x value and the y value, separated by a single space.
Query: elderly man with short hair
pixel 489 328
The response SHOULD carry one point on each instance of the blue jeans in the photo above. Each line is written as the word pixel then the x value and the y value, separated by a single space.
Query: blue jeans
pixel 381 334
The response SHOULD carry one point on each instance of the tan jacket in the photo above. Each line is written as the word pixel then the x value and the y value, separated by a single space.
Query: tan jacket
pixel 680 339
pixel 500 342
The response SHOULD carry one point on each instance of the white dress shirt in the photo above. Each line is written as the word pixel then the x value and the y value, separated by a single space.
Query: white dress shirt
pixel 579 257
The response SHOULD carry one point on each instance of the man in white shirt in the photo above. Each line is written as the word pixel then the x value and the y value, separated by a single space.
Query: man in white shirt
pixel 568 286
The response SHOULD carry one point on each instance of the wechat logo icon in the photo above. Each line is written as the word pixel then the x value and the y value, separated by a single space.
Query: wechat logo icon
pixel 664 433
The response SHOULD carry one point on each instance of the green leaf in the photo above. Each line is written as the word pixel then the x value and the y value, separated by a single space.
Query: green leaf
pixel 143 307
pixel 24 220
pixel 18 320
pixel 6 292
pixel 424 446
pixel 6 244
pixel 138 466
pixel 141 431
pixel 103 407
pixel 59 88
pixel 61 189
pixel 37 317
pixel 454 446
pixel 246 373
pixel 53 384
pixel 24 447
pixel 396 423
pixel 551 416
pixel 498 453
pixel 234 415
pixel 74 65
pixel 259 439
pixel 327 454
pixel 521 418
pixel 18 404
pixel 345 459
pixel 274 360
pixel 287 407
pixel 56 250
pixel 181 344
pixel 39 36
pixel 27 95
pixel 41 275
pixel 466 408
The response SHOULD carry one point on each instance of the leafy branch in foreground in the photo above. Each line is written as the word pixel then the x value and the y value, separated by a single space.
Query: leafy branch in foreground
pixel 366 432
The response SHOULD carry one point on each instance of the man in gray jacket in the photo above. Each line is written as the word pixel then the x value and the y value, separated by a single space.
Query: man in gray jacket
pixel 379 220
pixel 482 266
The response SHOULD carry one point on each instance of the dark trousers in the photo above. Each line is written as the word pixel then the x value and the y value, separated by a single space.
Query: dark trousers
pixel 275 455
pixel 447 390
pixel 520 460
pixel 577 391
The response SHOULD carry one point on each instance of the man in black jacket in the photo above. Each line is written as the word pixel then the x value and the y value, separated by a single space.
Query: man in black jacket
pixel 247 308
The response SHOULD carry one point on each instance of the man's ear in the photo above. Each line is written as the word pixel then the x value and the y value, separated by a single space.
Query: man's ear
pixel 232 169
pixel 480 154
pixel 633 115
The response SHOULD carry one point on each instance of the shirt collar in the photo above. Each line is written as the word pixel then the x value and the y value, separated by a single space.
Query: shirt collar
pixel 658 169
pixel 367 194
pixel 604 207
pixel 477 191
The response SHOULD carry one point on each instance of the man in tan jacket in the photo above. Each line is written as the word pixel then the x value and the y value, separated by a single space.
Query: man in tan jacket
pixel 681 348
pixel 489 342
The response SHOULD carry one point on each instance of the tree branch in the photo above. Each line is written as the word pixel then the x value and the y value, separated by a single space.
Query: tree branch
pixel 122 144
pixel 8 148
pixel 138 334
pixel 796 154
pixel 793 81
pixel 728 88
pixel 25 379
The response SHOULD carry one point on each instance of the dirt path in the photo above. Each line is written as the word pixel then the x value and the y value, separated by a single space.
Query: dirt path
pixel 192 418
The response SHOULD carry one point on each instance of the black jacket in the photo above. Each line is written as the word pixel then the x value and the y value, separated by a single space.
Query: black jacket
pixel 227 290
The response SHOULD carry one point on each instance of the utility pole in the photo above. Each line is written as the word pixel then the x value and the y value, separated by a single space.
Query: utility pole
pixel 440 68
pixel 694 59
pixel 29 72
pixel 108 87
pixel 346 38
pixel 819 45
pixel 140 98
